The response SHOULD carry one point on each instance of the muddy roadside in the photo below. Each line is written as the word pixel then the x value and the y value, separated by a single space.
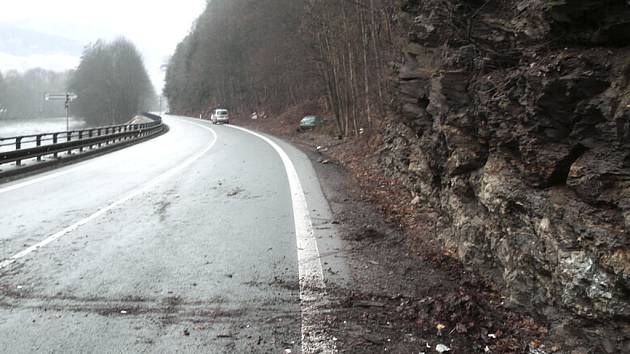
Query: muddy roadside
pixel 411 301
pixel 409 295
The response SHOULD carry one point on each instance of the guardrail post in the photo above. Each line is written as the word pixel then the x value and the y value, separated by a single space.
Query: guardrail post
pixel 68 139
pixel 38 142
pixel 80 138
pixel 18 146
pixel 55 137
pixel 98 132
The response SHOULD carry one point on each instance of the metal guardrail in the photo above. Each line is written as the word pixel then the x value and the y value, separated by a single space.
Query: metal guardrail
pixel 19 148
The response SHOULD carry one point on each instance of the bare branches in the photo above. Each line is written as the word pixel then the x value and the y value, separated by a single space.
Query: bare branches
pixel 244 54
pixel 352 48
pixel 112 83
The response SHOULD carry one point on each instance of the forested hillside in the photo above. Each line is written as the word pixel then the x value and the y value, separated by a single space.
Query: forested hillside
pixel 248 55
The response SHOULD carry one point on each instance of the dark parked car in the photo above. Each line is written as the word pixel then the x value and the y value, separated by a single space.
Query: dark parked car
pixel 310 122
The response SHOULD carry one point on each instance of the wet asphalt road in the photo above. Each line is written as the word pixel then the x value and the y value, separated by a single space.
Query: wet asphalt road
pixel 202 261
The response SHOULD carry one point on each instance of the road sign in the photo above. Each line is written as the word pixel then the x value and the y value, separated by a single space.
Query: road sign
pixel 67 98
pixel 51 97
pixel 60 96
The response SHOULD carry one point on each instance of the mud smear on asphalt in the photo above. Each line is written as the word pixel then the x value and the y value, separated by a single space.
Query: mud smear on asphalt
pixel 165 203
pixel 223 190
pixel 162 208
pixel 276 282
pixel 172 304
pixel 171 310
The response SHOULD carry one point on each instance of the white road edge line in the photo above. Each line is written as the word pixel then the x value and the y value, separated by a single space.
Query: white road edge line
pixel 152 183
pixel 312 286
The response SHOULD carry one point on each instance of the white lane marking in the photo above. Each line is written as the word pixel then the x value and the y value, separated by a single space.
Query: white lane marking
pixel 152 183
pixel 312 286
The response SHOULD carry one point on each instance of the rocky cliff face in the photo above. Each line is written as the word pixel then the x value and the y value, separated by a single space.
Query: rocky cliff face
pixel 513 128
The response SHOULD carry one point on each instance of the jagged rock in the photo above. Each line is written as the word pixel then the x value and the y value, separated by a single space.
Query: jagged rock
pixel 515 132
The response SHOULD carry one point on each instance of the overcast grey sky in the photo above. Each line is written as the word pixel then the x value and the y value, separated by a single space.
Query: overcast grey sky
pixel 154 26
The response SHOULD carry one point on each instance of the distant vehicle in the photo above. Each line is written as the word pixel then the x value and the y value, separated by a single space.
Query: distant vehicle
pixel 220 116
pixel 310 122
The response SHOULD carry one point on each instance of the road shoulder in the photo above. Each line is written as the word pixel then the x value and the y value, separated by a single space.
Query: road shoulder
pixel 398 298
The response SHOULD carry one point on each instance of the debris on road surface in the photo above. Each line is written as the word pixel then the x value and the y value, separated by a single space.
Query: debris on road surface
pixel 369 304
pixel 186 332
pixel 234 192
pixel 461 328
pixel 374 339
pixel 441 348
pixel 440 327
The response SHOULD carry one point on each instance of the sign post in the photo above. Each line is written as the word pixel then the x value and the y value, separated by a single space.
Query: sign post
pixel 67 98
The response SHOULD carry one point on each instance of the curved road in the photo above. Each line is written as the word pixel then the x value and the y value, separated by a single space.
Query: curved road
pixel 185 243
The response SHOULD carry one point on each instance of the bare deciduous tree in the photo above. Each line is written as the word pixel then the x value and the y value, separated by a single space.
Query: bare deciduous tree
pixel 243 55
pixel 248 54
pixel 353 46
pixel 112 83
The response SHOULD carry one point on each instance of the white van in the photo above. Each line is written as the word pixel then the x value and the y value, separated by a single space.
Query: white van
pixel 220 116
